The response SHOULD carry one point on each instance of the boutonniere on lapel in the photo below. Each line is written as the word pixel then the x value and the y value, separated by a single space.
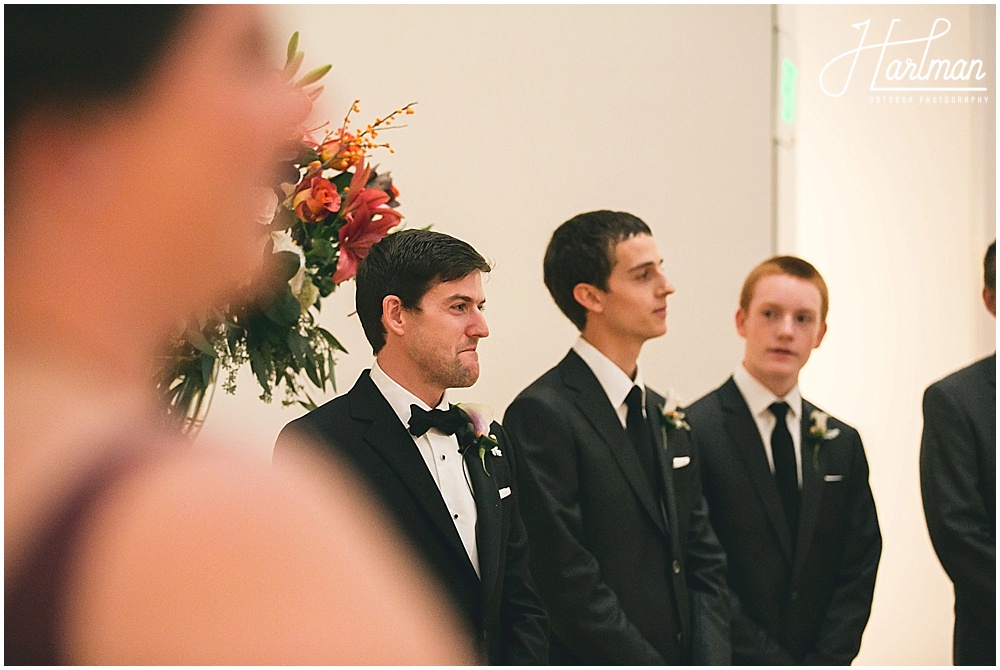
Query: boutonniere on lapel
pixel 477 432
pixel 820 433
pixel 671 414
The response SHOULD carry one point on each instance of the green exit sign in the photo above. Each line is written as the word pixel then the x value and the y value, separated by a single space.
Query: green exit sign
pixel 789 73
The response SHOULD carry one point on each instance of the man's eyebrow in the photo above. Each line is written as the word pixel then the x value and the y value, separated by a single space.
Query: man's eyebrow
pixel 463 298
pixel 646 264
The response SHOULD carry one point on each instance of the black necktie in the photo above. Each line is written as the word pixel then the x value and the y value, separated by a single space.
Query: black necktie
pixel 639 436
pixel 785 472
pixel 447 421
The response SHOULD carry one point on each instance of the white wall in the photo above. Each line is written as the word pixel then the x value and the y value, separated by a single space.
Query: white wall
pixel 895 204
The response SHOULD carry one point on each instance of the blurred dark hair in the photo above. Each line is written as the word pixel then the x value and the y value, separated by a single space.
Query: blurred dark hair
pixel 407 264
pixel 990 267
pixel 69 57
pixel 582 250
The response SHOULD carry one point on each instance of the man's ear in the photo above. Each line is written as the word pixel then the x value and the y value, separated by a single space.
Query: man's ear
pixel 590 297
pixel 990 298
pixel 741 322
pixel 820 336
pixel 393 315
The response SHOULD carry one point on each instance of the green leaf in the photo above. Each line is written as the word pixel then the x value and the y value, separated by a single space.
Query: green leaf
pixel 334 343
pixel 258 363
pixel 284 310
pixel 313 75
pixel 322 252
pixel 342 180
pixel 293 46
pixel 298 346
pixel 313 373
pixel 197 339
pixel 207 366
pixel 285 265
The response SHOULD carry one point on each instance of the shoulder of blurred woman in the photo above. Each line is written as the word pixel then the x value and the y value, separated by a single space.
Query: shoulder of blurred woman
pixel 212 557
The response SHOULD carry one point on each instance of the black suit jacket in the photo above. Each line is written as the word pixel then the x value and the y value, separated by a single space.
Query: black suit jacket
pixel 807 604
pixel 625 579
pixel 958 481
pixel 501 609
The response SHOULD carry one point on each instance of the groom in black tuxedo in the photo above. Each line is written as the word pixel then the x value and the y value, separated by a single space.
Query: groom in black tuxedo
pixel 787 485
pixel 621 548
pixel 958 482
pixel 445 476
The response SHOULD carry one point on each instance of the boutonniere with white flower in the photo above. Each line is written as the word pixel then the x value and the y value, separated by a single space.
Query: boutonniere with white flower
pixel 819 433
pixel 478 431
pixel 671 414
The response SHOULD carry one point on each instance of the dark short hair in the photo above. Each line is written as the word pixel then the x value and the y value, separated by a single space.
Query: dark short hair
pixel 71 56
pixel 582 251
pixel 407 265
pixel 786 265
pixel 990 267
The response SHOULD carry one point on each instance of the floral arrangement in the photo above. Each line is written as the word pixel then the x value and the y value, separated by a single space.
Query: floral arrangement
pixel 316 227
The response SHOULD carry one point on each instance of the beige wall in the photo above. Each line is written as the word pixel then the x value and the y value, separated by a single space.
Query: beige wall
pixel 896 205
pixel 528 115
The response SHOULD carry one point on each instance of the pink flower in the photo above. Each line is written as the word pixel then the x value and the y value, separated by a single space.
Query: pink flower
pixel 367 219
pixel 316 199
pixel 481 416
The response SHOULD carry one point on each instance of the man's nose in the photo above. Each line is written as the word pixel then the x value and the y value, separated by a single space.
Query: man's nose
pixel 479 327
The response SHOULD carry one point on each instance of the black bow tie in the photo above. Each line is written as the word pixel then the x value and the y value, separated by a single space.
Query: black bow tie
pixel 447 421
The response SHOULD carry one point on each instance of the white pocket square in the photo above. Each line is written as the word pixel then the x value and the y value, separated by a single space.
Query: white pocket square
pixel 681 461
pixel 504 492
pixel 833 478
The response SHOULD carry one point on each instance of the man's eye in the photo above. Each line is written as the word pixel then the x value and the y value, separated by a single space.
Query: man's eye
pixel 768 313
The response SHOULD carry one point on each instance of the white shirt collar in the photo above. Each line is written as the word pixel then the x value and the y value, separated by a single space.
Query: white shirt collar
pixel 399 398
pixel 613 380
pixel 759 398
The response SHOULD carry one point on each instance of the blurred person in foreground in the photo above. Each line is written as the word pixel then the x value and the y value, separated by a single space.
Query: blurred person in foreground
pixel 445 472
pixel 787 485
pixel 135 139
pixel 958 483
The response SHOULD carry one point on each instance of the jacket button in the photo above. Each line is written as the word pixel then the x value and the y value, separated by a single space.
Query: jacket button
pixel 677 567
pixel 680 637
pixel 795 595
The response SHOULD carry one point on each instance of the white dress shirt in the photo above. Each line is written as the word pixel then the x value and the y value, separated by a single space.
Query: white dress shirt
pixel 442 458
pixel 759 400
pixel 614 381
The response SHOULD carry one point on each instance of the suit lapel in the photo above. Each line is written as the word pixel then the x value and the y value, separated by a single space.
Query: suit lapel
pixel 387 437
pixel 812 487
pixel 664 454
pixel 745 437
pixel 488 516
pixel 593 403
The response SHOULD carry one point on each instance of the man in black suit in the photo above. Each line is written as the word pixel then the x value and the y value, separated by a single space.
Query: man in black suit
pixel 622 552
pixel 445 476
pixel 958 481
pixel 787 485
